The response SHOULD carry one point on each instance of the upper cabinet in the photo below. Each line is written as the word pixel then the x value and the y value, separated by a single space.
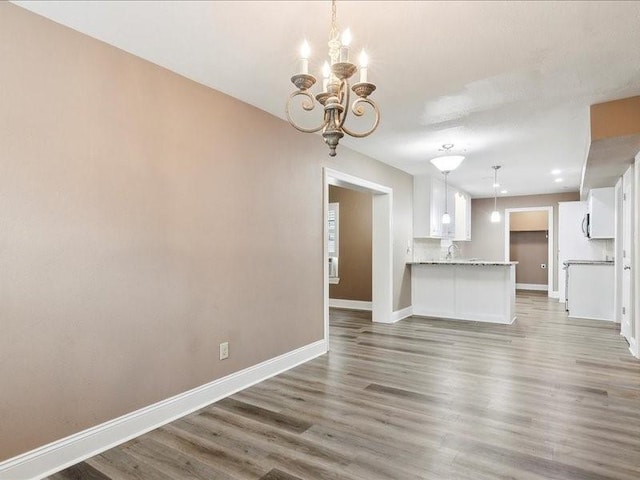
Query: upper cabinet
pixel 463 216
pixel 429 206
pixel 601 211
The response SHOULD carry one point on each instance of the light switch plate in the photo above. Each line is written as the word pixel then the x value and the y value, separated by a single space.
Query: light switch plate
pixel 224 350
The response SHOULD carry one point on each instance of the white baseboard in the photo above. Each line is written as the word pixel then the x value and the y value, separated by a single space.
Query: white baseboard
pixel 497 319
pixel 633 348
pixel 396 316
pixel 401 314
pixel 350 304
pixel 554 294
pixel 532 286
pixel 51 458
pixel 583 317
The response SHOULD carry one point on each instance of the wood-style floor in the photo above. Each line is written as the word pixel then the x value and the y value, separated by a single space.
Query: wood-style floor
pixel 546 398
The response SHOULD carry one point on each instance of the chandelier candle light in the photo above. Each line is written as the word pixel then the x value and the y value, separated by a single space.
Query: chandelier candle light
pixel 335 95
pixel 495 215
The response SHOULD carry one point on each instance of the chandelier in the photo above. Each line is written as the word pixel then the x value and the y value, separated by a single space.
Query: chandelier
pixel 335 95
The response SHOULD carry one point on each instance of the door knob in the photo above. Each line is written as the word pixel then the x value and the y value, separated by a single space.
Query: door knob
pixel 627 267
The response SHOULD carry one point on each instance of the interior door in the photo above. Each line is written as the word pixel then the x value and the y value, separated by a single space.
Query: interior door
pixel 626 323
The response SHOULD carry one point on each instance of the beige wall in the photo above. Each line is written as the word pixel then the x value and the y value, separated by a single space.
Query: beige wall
pixel 529 221
pixel 141 228
pixel 615 119
pixel 356 210
pixel 530 250
pixel 487 239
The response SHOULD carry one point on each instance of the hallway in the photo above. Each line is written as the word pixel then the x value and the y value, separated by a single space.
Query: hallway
pixel 545 398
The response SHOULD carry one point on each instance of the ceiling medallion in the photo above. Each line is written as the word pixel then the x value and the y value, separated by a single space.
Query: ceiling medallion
pixel 335 95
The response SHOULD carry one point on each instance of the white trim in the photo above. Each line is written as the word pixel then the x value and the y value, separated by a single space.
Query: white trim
pixel 340 179
pixel 633 348
pixel 51 458
pixel 593 318
pixel 532 286
pixel 554 294
pixel 484 318
pixel 550 239
pixel 401 314
pixel 382 258
pixel 382 243
pixel 325 255
pixel 635 282
pixel 350 304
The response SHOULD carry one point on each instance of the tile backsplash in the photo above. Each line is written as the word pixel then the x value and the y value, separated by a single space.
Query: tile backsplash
pixel 425 249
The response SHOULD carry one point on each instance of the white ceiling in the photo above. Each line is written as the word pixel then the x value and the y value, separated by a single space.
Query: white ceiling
pixel 509 82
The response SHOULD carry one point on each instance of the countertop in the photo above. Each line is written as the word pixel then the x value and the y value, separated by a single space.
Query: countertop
pixel 589 262
pixel 461 262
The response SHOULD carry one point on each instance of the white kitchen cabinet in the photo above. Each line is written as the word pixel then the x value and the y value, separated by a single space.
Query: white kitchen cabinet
pixel 601 209
pixel 590 289
pixel 463 216
pixel 429 206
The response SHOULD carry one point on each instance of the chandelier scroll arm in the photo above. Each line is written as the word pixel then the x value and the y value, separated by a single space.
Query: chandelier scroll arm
pixel 308 104
pixel 344 101
pixel 358 111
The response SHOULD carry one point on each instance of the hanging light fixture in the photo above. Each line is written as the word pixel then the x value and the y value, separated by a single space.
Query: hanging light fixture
pixel 335 95
pixel 446 218
pixel 495 215
pixel 446 164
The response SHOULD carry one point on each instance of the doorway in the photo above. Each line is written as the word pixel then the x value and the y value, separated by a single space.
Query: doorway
pixel 381 244
pixel 529 241
pixel 349 244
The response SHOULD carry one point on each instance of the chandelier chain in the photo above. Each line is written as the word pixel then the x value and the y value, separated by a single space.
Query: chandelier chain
pixel 334 27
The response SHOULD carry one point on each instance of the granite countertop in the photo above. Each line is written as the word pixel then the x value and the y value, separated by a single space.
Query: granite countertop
pixel 589 262
pixel 461 262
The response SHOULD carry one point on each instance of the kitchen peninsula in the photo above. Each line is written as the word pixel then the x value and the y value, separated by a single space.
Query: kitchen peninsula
pixel 483 291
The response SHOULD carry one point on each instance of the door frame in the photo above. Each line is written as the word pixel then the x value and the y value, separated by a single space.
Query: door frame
pixel 617 288
pixel 623 261
pixel 507 240
pixel 382 244
pixel 635 349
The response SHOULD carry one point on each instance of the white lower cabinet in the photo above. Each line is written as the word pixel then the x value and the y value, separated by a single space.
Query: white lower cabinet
pixel 590 290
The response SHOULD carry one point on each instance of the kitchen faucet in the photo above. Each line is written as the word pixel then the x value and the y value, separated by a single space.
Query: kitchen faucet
pixel 449 252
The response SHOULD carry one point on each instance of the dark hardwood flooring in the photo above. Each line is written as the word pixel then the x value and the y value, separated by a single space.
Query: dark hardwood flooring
pixel 545 398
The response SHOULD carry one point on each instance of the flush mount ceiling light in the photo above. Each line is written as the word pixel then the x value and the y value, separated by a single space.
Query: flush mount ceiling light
pixel 447 163
pixel 335 95
pixel 495 215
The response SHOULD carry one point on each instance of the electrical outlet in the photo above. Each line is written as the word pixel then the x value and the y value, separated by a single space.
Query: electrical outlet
pixel 224 350
pixel 543 266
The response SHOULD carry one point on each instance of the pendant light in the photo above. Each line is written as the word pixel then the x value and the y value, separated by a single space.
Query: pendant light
pixel 495 215
pixel 446 164
pixel 446 218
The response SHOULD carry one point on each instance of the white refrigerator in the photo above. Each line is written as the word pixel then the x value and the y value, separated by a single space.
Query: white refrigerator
pixel 572 241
